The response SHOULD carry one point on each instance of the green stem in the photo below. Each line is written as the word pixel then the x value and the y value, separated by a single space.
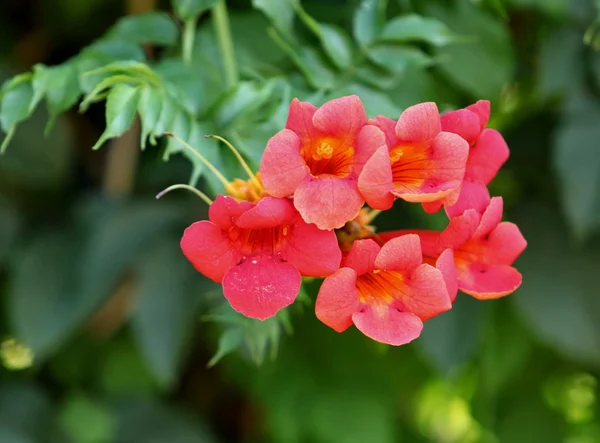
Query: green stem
pixel 189 32
pixel 221 23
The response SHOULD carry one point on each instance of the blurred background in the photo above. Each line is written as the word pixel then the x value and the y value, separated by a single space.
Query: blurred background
pixel 108 335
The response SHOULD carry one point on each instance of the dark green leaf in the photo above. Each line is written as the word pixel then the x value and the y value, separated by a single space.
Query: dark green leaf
pixel 398 58
pixel 165 297
pixel 185 85
pixel 561 62
pixel 577 163
pixel 189 9
pixel 121 106
pixel 9 227
pixel 280 12
pixel 151 27
pixel 149 108
pixel 417 28
pixel 11 436
pixel 87 421
pixel 123 372
pixel 368 21
pixel 23 404
pixel 247 98
pixel 337 45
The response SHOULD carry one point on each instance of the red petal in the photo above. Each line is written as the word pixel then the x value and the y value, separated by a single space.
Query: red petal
pixel 370 139
pixel 487 156
pixel 375 180
pixel 225 211
pixel 299 119
pixel 282 168
pixel 388 126
pixel 482 109
pixel 362 256
pixel 419 123
pixel 388 325
pixel 462 122
pixel 473 195
pixel 425 293
pixel 269 212
pixel 432 207
pixel 261 285
pixel 338 299
pixel 208 248
pixel 328 202
pixel 315 253
pixel 342 117
pixel 490 218
pixel 400 254
pixel 445 264
pixel 488 282
pixel 459 230
pixel 505 244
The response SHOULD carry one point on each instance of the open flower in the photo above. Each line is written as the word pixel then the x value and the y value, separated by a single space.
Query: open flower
pixel 387 292
pixel 259 252
pixel 484 250
pixel 488 152
pixel 420 162
pixel 317 159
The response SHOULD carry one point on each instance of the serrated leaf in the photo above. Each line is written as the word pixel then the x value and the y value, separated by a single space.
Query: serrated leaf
pixel 121 106
pixel 337 45
pixel 164 297
pixel 418 29
pixel 398 58
pixel 368 21
pixel 280 12
pixel 151 27
pixel 99 92
pixel 149 108
pixel 131 68
pixel 229 341
pixel 189 9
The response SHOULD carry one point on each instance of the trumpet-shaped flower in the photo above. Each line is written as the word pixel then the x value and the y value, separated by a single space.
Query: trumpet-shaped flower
pixel 386 292
pixel 488 152
pixel 317 158
pixel 420 163
pixel 484 250
pixel 259 252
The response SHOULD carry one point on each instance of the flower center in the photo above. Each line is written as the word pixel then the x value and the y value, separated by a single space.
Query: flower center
pixel 248 190
pixel 409 164
pixel 379 287
pixel 256 242
pixel 328 156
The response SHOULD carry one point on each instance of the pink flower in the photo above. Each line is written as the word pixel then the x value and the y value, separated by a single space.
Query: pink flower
pixel 387 292
pixel 484 250
pixel 420 162
pixel 259 252
pixel 487 154
pixel 318 157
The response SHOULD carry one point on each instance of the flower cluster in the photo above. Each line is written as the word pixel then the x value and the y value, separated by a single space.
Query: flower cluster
pixel 304 214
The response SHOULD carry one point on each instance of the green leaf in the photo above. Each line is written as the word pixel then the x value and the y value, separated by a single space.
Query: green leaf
pixel 23 403
pixel 87 421
pixel 190 9
pixel 449 339
pixel 247 98
pixel 375 102
pixel 337 45
pixel 185 85
pixel 417 28
pixel 398 58
pixel 165 297
pixel 229 341
pixel 280 12
pixel 17 104
pixel 122 372
pixel 485 62
pixel 121 105
pixel 151 27
pixel 561 67
pixel 577 163
pixel 149 108
pixel 368 21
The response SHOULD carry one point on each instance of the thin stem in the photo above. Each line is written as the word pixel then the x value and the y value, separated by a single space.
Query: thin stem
pixel 221 23
pixel 189 33
pixel 214 170
pixel 199 193
pixel 372 215
pixel 240 159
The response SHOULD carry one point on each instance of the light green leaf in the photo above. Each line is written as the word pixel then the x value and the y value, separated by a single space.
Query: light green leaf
pixel 189 9
pixel 417 28
pixel 185 85
pixel 398 58
pixel 99 93
pixel 577 162
pixel 121 106
pixel 149 108
pixel 368 21
pixel 280 12
pixel 229 341
pixel 165 297
pixel 131 68
pixel 337 45
pixel 246 99
pixel 375 102
pixel 181 127
pixel 87 421
pixel 17 104
pixel 151 27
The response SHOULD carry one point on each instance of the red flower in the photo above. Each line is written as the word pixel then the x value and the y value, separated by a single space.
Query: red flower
pixel 385 291
pixel 259 252
pixel 484 250
pixel 318 157
pixel 420 162
pixel 487 154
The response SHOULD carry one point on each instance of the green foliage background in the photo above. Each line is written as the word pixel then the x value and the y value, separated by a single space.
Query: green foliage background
pixel 130 345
